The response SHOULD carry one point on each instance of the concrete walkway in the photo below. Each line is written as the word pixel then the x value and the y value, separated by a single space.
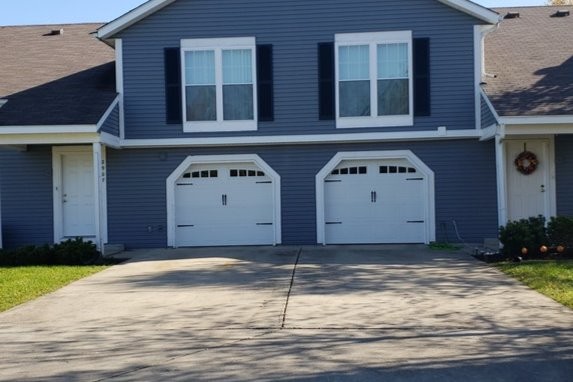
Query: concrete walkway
pixel 357 313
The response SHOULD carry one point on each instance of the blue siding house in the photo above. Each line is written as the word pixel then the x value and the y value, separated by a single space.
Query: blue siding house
pixel 269 122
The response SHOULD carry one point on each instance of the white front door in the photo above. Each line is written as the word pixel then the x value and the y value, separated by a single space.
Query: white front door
pixel 528 195
pixel 74 198
pixel 224 204
pixel 375 201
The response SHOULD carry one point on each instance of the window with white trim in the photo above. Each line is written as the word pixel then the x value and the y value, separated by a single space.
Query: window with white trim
pixel 219 84
pixel 374 79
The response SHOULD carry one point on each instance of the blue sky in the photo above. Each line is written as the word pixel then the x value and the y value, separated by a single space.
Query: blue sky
pixel 24 12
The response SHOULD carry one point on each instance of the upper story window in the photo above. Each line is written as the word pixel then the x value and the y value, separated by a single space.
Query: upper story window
pixel 374 79
pixel 219 82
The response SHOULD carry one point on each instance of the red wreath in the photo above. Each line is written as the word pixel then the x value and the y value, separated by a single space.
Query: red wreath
pixel 526 162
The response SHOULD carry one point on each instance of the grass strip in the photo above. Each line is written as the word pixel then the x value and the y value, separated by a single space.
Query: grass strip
pixel 551 278
pixel 21 284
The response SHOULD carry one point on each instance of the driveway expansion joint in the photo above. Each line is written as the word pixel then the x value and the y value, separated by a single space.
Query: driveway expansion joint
pixel 290 287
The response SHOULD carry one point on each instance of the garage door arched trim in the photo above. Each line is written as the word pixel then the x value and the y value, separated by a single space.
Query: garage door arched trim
pixel 430 227
pixel 221 159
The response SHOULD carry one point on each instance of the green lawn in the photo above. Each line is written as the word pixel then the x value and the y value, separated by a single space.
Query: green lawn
pixel 552 278
pixel 21 284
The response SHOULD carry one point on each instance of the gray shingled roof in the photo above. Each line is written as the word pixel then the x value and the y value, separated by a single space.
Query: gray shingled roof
pixel 532 57
pixel 65 79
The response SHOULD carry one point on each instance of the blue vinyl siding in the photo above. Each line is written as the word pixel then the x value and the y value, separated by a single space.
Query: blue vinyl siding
pixel 487 117
pixel 564 174
pixel 111 124
pixel 26 191
pixel 294 28
pixel 137 204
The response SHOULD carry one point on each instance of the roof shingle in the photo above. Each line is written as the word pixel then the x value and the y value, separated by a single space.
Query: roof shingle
pixel 52 79
pixel 532 59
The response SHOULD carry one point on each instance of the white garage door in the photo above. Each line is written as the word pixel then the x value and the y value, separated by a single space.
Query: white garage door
pixel 224 204
pixel 375 201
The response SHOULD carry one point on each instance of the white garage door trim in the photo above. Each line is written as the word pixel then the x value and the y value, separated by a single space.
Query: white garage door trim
pixel 220 159
pixel 430 232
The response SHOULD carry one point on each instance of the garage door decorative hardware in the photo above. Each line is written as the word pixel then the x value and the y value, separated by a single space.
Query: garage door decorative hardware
pixel 333 223
pixel 185 225
pixel 264 223
pixel 415 221
pixel 224 199
pixel 526 162
pixel 373 196
pixel 265 182
pixel 332 181
pixel 414 178
pixel 184 184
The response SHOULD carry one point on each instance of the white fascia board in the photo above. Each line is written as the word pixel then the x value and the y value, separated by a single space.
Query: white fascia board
pixel 107 113
pixel 48 129
pixel 131 17
pixel 548 129
pixel 475 10
pixel 303 139
pixel 49 139
pixel 537 120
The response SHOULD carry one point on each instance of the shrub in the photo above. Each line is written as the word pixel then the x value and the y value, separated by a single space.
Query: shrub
pixel 76 252
pixel 560 231
pixel 69 252
pixel 529 233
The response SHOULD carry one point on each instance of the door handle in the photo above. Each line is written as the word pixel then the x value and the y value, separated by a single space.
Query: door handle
pixel 373 196
pixel 224 199
pixel 542 188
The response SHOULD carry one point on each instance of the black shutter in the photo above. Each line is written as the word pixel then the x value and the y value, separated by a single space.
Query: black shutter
pixel 422 103
pixel 326 103
pixel 173 113
pixel 265 102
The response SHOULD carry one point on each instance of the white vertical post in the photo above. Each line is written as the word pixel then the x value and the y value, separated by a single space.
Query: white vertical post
pixel 501 177
pixel 97 149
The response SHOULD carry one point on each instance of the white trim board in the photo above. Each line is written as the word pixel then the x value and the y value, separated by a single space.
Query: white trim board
pixel 49 139
pixel 430 234
pixel 108 30
pixel 304 139
pixel 131 17
pixel 537 120
pixel 207 159
pixel 47 129
pixel 475 10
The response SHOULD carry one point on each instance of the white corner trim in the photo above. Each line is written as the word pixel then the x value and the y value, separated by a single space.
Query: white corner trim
pixel 478 62
pixel 119 87
pixel 131 17
pixel 201 159
pixel 537 120
pixel 473 9
pixel 108 111
pixel 430 234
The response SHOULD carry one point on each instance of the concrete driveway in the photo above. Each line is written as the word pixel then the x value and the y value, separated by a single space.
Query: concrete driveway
pixel 284 314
